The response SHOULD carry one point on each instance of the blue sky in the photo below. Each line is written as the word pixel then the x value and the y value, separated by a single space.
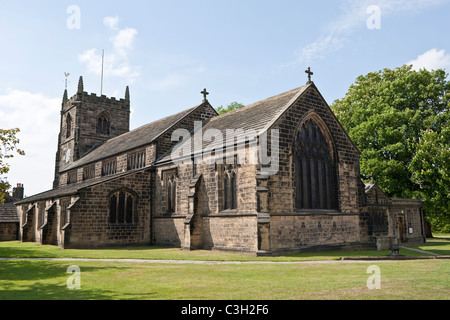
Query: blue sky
pixel 168 51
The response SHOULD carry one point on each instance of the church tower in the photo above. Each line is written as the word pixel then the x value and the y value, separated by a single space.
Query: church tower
pixel 87 121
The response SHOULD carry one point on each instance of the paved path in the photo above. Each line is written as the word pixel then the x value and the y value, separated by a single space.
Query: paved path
pixel 190 261
pixel 421 251
pixel 346 260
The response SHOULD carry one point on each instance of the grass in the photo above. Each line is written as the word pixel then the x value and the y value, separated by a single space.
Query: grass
pixel 440 244
pixel 46 280
pixel 33 250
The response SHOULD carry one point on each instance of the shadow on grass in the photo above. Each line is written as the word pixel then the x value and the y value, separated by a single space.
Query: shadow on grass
pixel 41 280
pixel 439 245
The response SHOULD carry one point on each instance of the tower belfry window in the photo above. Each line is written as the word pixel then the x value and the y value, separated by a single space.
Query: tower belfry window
pixel 103 125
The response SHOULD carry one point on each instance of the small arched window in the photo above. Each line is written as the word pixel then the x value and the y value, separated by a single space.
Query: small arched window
pixel 103 125
pixel 171 193
pixel 230 194
pixel 122 206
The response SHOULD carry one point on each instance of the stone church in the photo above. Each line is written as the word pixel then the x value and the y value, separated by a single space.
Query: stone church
pixel 116 187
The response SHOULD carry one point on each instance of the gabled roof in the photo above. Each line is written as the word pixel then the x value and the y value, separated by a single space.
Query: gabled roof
pixel 73 189
pixel 136 138
pixel 258 116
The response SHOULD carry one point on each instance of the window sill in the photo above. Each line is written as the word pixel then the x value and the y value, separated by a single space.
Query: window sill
pixel 116 225
pixel 230 213
pixel 317 211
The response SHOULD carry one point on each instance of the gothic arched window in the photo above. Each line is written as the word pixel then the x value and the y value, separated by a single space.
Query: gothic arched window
pixel 122 207
pixel 315 169
pixel 103 126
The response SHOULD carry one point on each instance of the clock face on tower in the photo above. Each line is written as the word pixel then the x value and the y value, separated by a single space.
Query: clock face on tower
pixel 68 156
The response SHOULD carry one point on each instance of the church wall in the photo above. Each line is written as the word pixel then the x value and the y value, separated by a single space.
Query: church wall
pixel 230 232
pixel 165 143
pixel 168 231
pixel 297 232
pixel 292 228
pixel 89 218
pixel 282 186
pixel 9 231
pixel 221 229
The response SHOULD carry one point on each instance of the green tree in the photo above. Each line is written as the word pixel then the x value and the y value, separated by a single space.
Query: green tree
pixel 8 144
pixel 430 169
pixel 232 106
pixel 393 116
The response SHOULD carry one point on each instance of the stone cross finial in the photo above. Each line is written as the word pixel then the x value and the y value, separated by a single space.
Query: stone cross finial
pixel 310 73
pixel 204 93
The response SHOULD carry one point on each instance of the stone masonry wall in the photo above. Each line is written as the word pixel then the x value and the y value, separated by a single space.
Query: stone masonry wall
pixel 282 186
pixel 297 232
pixel 290 228
pixel 90 226
pixel 203 113
pixel 228 232
pixel 9 231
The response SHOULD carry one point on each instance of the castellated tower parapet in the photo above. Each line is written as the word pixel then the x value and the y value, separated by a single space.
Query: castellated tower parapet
pixel 87 121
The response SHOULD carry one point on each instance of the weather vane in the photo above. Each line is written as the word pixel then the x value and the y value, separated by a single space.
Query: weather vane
pixel 66 74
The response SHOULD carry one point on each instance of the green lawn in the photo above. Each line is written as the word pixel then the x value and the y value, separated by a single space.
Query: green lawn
pixel 17 249
pixel 425 279
pixel 45 280
pixel 440 244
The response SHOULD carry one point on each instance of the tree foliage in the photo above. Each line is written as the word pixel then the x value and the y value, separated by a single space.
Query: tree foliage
pixel 232 106
pixel 8 146
pixel 399 120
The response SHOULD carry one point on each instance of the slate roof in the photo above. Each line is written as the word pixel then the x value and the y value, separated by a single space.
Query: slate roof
pixel 136 138
pixel 73 189
pixel 259 116
pixel 8 213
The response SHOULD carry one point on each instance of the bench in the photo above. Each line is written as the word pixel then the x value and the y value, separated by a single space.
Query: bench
pixel 395 250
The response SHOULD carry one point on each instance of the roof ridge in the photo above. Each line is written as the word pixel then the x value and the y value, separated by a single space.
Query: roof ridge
pixel 177 117
pixel 254 104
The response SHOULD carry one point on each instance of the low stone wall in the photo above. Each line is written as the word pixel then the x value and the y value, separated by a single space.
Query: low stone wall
pixel 290 232
pixel 230 232
pixel 168 231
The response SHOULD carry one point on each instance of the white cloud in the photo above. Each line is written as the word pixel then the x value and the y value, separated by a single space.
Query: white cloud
pixel 353 17
pixel 319 48
pixel 116 61
pixel 431 60
pixel 37 117
pixel 111 22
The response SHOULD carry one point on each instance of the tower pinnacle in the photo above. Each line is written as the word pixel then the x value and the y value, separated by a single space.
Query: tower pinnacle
pixel 80 85
pixel 127 94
